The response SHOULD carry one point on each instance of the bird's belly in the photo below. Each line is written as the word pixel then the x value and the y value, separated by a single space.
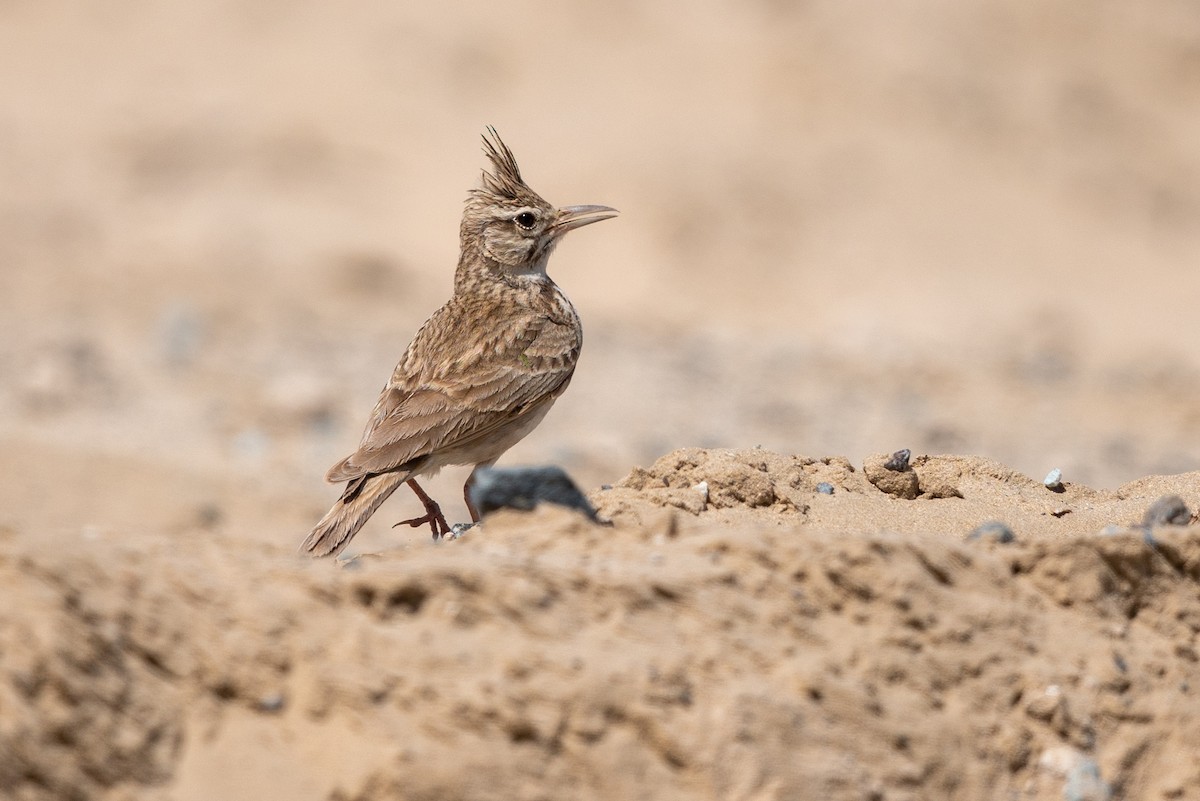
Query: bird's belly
pixel 490 448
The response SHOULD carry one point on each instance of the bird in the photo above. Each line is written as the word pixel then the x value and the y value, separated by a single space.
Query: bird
pixel 482 371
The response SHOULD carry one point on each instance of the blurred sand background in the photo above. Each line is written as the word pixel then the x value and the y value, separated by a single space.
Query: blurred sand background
pixel 846 228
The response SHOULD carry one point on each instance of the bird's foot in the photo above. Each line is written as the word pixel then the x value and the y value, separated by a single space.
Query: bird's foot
pixel 435 519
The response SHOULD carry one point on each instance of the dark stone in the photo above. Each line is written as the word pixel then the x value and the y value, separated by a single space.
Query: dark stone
pixel 523 488
pixel 899 461
pixel 1169 510
pixel 995 531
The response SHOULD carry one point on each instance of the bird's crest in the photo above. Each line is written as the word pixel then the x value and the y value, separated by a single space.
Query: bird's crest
pixel 504 181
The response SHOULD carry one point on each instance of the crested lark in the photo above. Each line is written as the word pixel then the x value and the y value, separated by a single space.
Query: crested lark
pixel 481 372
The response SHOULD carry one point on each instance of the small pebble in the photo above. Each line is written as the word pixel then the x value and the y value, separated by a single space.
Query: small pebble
pixel 208 515
pixel 899 461
pixel 271 703
pixel 702 488
pixel 1053 480
pixel 825 488
pixel 885 473
pixel 1169 510
pixel 1085 784
pixel 181 331
pixel 459 529
pixel 994 531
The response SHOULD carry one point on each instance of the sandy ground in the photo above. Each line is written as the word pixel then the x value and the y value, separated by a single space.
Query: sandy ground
pixel 846 229
pixel 757 638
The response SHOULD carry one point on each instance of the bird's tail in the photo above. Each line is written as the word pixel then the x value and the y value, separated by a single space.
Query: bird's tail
pixel 360 500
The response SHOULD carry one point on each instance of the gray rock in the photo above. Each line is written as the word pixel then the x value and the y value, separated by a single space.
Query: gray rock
pixel 1169 510
pixel 523 488
pixel 893 475
pixel 994 531
pixel 899 461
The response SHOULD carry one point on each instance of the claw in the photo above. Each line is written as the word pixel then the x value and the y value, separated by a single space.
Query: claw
pixel 433 514
pixel 437 523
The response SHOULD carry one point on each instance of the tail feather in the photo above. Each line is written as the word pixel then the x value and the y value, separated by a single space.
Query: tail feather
pixel 352 510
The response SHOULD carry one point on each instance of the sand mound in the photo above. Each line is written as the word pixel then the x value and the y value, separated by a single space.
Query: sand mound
pixel 738 640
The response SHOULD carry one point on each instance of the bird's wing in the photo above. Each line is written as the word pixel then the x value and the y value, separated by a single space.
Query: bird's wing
pixel 495 383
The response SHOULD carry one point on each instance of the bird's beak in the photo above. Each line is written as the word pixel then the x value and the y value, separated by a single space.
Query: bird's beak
pixel 570 217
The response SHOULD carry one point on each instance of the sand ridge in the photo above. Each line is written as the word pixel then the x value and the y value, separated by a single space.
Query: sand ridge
pixel 779 641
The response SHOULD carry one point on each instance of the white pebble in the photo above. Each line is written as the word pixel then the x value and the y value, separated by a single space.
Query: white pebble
pixel 1053 479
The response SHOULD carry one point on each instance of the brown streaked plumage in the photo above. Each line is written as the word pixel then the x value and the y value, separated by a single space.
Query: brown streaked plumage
pixel 481 372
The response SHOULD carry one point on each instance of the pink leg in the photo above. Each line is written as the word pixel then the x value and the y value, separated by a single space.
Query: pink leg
pixel 467 491
pixel 433 513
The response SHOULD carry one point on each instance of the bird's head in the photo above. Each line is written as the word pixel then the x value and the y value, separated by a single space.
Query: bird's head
pixel 507 227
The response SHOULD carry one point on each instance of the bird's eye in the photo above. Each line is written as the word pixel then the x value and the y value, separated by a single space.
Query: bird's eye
pixel 526 219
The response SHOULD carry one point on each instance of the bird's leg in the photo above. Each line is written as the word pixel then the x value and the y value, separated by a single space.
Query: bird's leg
pixel 433 513
pixel 467 491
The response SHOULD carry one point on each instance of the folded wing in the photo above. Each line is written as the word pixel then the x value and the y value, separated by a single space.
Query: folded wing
pixel 506 379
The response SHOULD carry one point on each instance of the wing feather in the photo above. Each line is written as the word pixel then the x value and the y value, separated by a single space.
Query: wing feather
pixel 505 377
